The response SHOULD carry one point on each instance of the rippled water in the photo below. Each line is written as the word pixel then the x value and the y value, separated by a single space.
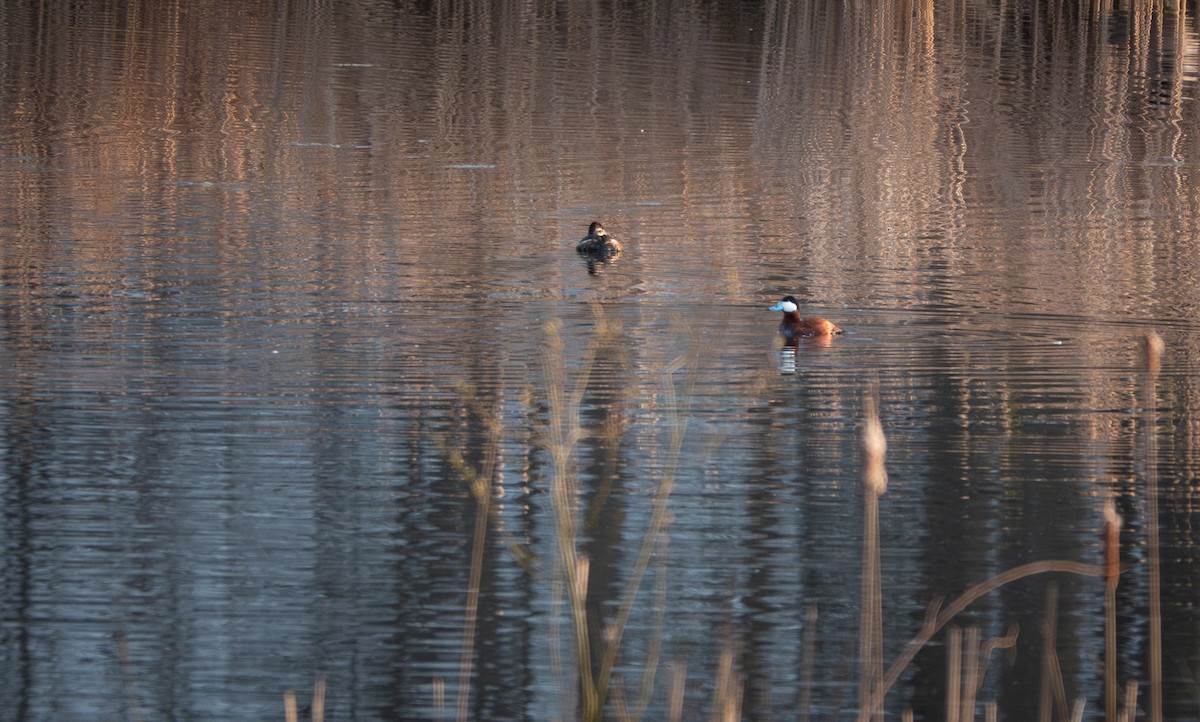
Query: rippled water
pixel 279 285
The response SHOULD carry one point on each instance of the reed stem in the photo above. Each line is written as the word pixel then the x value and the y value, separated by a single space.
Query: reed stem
pixel 808 662
pixel 563 432
pixel 936 620
pixel 1112 565
pixel 874 447
pixel 971 675
pixel 480 485
pixel 1152 346
pixel 954 665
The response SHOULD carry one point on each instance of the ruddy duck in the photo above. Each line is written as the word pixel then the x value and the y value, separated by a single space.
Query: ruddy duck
pixel 597 242
pixel 794 328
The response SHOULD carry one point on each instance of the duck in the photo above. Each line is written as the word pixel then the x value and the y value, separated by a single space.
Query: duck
pixel 793 327
pixel 597 242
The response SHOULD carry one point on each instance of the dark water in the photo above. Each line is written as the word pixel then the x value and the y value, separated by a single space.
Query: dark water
pixel 279 283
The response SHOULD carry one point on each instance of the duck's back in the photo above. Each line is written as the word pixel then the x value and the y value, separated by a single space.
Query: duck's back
pixel 598 244
pixel 808 327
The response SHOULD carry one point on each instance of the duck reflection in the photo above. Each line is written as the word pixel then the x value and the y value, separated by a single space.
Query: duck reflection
pixel 596 266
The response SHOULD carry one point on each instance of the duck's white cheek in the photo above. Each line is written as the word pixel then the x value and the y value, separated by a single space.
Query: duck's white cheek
pixel 789 307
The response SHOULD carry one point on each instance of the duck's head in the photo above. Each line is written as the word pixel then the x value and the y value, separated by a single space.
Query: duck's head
pixel 787 304
pixel 596 229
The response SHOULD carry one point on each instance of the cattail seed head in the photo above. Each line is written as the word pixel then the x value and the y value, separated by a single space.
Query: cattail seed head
pixel 874 446
pixel 1112 543
pixel 1152 352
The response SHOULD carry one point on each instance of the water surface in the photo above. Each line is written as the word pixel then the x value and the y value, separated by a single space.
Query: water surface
pixel 278 284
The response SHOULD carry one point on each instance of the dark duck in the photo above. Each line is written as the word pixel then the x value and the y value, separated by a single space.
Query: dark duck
pixel 597 242
pixel 793 327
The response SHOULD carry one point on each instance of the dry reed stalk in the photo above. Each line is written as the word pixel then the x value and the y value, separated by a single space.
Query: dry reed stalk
pixel 808 662
pixel 480 485
pixel 874 447
pixel 1112 565
pixel 471 613
pixel 1152 348
pixel 967 663
pixel 873 684
pixel 1131 693
pixel 727 696
pixel 1008 641
pixel 935 620
pixel 1045 700
pixel 1077 710
pixel 964 671
pixel 953 674
pixel 675 692
pixel 619 703
pixel 1054 694
pixel 562 434
pixel 318 700
pixel 659 518
pixel 592 699
pixel 291 711
pixel 289 707
pixel 650 667
pixel 556 641
pixel 971 676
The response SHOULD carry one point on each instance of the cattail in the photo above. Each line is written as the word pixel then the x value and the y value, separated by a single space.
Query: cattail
pixel 1112 542
pixel 871 623
pixel 1112 559
pixel 1152 352
pixel 874 447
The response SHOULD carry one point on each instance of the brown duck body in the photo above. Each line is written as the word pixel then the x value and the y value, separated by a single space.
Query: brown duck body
pixel 793 326
pixel 598 243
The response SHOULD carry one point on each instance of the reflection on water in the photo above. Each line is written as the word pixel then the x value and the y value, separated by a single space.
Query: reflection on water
pixel 277 289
